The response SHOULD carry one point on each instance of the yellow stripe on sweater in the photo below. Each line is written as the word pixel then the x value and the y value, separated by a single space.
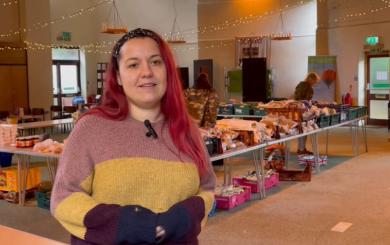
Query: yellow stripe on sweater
pixel 154 184
pixel 72 210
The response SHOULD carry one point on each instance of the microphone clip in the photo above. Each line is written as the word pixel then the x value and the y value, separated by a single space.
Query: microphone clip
pixel 151 132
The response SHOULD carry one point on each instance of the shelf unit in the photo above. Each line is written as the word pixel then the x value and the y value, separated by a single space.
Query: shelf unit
pixel 101 75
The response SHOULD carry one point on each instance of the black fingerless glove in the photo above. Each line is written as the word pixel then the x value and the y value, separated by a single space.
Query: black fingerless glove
pixel 182 220
pixel 136 225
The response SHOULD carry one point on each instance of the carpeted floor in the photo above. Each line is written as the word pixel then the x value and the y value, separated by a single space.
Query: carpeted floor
pixel 350 189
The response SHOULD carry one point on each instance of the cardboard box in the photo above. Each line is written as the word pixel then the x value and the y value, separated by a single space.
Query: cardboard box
pixel 9 178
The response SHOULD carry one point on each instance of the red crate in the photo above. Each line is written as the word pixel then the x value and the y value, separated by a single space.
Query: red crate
pixel 269 182
pixel 229 202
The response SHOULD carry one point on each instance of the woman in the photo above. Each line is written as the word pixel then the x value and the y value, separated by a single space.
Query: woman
pixel 304 91
pixel 134 170
pixel 202 102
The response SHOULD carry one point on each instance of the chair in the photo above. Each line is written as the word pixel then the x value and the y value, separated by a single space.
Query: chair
pixel 38 112
pixel 4 114
pixel 68 110
pixel 55 112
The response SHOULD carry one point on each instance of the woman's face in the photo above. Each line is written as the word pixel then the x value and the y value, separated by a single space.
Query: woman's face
pixel 142 73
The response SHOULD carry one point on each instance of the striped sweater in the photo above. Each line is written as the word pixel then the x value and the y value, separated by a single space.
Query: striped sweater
pixel 114 185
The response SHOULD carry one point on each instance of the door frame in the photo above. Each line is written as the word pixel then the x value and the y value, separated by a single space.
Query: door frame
pixel 368 56
pixel 60 95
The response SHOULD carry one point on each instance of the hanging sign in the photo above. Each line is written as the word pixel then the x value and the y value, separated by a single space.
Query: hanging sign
pixel 64 36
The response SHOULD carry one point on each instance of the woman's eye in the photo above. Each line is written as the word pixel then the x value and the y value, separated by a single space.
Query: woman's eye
pixel 157 62
pixel 132 65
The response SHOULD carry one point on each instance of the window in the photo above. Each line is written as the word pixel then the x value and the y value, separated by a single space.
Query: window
pixel 66 75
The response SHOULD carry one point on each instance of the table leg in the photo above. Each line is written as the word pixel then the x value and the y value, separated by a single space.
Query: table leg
pixel 23 170
pixel 287 154
pixel 364 129
pixel 356 141
pixel 327 141
pixel 227 178
pixel 52 168
pixel 314 143
pixel 259 172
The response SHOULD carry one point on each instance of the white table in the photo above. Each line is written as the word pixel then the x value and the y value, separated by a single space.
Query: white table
pixel 23 160
pixel 23 127
pixel 258 150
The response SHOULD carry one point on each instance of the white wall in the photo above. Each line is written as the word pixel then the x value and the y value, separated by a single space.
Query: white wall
pixel 85 29
pixel 82 29
pixel 346 40
pixel 10 22
pixel 288 58
pixel 157 15
pixel 39 62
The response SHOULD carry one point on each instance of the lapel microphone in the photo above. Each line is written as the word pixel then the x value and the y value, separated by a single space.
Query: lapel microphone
pixel 151 131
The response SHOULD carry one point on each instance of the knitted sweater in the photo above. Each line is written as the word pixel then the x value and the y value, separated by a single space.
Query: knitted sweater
pixel 303 91
pixel 114 185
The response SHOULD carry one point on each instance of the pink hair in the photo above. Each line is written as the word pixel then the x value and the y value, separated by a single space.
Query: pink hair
pixel 184 133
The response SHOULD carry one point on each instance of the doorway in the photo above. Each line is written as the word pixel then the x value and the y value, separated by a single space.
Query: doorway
pixel 66 76
pixel 377 87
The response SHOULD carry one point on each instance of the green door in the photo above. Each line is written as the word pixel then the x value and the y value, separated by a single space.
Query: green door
pixel 378 89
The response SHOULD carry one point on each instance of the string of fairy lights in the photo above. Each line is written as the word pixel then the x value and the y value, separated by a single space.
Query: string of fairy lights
pixel 105 46
pixel 40 25
pixel 9 3
pixel 227 24
pixel 366 12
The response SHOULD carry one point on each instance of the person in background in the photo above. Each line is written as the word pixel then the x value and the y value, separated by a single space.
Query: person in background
pixel 202 102
pixel 304 91
pixel 134 169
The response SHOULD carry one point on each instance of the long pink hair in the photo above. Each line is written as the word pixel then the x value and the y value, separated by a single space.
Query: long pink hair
pixel 185 134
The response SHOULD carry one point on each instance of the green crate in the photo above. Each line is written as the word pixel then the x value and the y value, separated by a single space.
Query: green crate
pixel 259 112
pixel 352 113
pixel 226 109
pixel 362 111
pixel 43 199
pixel 323 121
pixel 241 109
pixel 335 119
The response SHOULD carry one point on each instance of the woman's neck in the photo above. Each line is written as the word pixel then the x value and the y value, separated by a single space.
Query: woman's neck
pixel 141 114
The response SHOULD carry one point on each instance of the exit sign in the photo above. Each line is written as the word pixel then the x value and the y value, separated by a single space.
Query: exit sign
pixel 372 41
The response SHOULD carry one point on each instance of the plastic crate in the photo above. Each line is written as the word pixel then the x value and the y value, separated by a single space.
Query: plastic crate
pixel 323 121
pixel 213 210
pixel 335 119
pixel 259 112
pixel 226 109
pixel 43 199
pixel 361 111
pixel 5 159
pixel 352 113
pixel 229 202
pixel 241 109
pixel 340 108
pixel 269 182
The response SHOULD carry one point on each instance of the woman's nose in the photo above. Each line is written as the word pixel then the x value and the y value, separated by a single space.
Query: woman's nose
pixel 146 70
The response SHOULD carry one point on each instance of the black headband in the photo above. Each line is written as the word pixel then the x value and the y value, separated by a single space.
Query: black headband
pixel 136 33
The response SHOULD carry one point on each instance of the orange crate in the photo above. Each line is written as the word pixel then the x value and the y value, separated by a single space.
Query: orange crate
pixel 9 178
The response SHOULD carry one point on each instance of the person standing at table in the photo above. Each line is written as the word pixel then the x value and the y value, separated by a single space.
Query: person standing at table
pixel 202 102
pixel 134 169
pixel 304 91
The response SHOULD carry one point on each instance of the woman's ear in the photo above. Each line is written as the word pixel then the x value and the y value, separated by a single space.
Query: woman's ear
pixel 119 81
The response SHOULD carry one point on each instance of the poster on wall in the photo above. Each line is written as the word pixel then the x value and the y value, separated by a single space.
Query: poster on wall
pixel 326 68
